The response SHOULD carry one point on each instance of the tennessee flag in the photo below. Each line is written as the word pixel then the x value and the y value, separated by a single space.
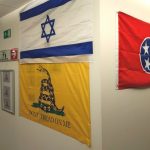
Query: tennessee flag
pixel 134 52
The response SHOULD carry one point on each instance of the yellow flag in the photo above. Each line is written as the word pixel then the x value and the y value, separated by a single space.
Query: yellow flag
pixel 57 96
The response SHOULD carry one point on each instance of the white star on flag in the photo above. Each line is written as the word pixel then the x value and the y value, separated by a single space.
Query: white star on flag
pixel 146 47
pixel 147 64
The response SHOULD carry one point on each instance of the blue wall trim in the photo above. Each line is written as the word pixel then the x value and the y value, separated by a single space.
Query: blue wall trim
pixel 41 8
pixel 66 50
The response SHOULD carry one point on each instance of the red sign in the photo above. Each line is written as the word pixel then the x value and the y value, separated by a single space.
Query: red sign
pixel 14 54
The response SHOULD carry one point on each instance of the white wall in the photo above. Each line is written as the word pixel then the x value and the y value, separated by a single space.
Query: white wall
pixel 125 113
pixel 17 133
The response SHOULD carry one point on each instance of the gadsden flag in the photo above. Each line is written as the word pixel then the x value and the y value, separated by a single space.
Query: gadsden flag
pixel 57 96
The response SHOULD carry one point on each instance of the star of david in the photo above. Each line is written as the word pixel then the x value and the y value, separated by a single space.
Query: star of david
pixel 52 31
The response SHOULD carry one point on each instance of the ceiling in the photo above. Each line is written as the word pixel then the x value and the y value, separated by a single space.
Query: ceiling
pixel 7 6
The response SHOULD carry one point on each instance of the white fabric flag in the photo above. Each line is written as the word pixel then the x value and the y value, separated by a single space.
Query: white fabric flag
pixel 56 31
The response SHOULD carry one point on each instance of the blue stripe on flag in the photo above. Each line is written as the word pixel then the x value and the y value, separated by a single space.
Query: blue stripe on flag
pixel 66 50
pixel 41 8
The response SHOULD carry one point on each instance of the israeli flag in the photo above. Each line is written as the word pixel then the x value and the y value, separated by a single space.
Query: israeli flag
pixel 56 29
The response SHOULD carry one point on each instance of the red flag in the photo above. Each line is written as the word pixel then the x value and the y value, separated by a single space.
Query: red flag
pixel 134 52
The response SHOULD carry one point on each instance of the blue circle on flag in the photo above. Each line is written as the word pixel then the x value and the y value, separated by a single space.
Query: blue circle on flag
pixel 145 54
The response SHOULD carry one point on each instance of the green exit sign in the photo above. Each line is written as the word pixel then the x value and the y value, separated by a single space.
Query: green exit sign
pixel 7 34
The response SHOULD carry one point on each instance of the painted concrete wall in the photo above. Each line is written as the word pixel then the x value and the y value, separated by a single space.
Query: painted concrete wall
pixel 17 133
pixel 125 113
